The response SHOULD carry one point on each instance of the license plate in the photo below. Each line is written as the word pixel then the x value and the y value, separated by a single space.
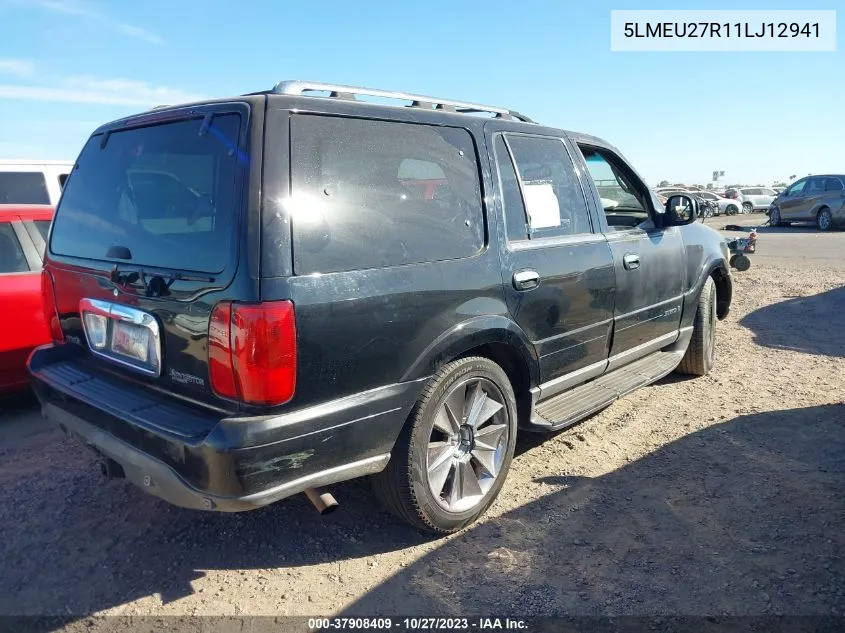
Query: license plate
pixel 131 341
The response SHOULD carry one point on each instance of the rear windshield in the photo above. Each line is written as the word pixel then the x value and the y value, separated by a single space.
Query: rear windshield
pixel 163 195
pixel 23 187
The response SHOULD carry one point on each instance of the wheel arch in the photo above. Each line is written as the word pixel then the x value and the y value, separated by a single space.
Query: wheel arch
pixel 494 337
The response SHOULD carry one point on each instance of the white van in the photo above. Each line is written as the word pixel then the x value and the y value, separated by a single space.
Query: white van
pixel 32 181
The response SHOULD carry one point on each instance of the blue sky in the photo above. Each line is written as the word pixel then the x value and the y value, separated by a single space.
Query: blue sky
pixel 68 65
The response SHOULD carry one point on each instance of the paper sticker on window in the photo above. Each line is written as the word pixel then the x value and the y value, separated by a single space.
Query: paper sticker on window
pixel 542 205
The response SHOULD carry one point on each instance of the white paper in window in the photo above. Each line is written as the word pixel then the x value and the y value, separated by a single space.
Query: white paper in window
pixel 542 205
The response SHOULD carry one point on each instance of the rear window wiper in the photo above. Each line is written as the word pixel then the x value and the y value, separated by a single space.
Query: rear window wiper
pixel 155 285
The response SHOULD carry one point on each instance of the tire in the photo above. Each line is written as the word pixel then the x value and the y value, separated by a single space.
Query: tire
pixel 731 209
pixel 732 260
pixel 747 207
pixel 434 430
pixel 700 355
pixel 742 263
pixel 824 219
pixel 774 217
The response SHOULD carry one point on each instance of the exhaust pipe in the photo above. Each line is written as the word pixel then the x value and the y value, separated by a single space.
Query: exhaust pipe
pixel 321 499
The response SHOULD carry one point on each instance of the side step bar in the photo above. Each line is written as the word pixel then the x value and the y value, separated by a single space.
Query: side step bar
pixel 573 406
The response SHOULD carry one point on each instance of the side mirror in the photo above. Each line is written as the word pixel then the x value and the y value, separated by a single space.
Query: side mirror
pixel 680 210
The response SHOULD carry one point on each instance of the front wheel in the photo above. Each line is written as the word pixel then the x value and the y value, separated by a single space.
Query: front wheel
pixel 451 458
pixel 747 207
pixel 701 353
pixel 824 220
pixel 774 217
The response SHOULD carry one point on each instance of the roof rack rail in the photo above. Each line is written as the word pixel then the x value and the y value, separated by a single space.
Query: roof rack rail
pixel 339 91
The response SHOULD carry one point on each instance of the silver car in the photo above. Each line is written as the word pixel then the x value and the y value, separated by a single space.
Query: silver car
pixel 757 198
pixel 726 205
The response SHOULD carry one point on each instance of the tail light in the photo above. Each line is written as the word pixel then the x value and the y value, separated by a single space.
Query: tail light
pixel 48 305
pixel 252 352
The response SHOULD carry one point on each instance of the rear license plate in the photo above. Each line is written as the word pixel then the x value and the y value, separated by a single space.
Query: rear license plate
pixel 131 341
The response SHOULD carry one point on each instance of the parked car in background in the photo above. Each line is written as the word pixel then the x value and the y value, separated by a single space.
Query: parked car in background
pixel 345 324
pixel 734 194
pixel 23 233
pixel 756 198
pixel 706 208
pixel 819 199
pixel 723 205
pixel 32 182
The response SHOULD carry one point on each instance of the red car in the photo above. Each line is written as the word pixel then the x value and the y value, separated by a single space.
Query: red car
pixel 23 236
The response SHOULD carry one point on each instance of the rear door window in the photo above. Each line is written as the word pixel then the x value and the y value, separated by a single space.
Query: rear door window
pixel 370 194
pixel 166 194
pixel 551 192
pixel 12 259
pixel 23 187
pixel 833 184
pixel 815 186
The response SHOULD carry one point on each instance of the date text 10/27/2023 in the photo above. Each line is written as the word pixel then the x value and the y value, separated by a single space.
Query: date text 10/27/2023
pixel 418 624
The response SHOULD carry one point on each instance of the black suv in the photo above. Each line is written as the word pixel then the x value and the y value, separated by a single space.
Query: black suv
pixel 263 295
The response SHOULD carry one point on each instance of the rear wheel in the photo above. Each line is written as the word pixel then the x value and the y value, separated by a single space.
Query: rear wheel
pixel 824 220
pixel 453 454
pixel 731 209
pixel 701 352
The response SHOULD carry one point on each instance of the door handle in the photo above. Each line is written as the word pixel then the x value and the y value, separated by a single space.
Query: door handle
pixel 526 279
pixel 631 261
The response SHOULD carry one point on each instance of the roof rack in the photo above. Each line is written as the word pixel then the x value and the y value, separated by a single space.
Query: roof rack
pixel 339 91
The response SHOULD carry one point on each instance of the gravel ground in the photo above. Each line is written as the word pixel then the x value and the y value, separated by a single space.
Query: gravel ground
pixel 719 495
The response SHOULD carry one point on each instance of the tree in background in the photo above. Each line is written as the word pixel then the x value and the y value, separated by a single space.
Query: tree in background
pixel 710 185
pixel 663 183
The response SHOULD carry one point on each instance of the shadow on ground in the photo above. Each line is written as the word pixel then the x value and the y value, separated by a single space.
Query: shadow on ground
pixel 812 325
pixel 744 517
pixel 740 518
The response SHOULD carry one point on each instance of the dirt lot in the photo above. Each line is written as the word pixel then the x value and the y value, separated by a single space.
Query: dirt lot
pixel 720 495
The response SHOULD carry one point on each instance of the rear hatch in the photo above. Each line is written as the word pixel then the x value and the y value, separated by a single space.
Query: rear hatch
pixel 147 238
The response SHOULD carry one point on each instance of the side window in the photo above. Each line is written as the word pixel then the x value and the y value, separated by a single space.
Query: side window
pixel 62 179
pixel 12 259
pixel 815 185
pixel 371 194
pixel 515 220
pixel 833 184
pixel 23 187
pixel 552 195
pixel 797 188
pixel 624 201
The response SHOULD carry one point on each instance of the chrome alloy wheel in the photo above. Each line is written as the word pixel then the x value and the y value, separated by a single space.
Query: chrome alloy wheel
pixel 467 444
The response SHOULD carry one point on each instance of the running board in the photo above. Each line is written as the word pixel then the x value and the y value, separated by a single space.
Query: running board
pixel 573 406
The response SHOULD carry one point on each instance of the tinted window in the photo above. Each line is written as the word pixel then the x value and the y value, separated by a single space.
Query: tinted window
pixel 23 187
pixel 62 179
pixel 551 192
pixel 833 184
pixel 515 220
pixel 369 194
pixel 815 185
pixel 165 192
pixel 12 259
